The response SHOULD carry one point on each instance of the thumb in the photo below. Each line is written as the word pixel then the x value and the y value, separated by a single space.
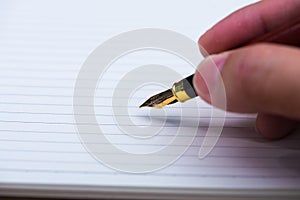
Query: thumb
pixel 262 78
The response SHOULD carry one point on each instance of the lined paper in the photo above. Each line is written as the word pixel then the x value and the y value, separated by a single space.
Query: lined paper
pixel 40 58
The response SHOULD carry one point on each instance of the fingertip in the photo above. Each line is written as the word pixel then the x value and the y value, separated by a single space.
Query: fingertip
pixel 200 86
pixel 207 75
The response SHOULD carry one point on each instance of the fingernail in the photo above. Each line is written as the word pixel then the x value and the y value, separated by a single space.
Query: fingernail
pixel 207 75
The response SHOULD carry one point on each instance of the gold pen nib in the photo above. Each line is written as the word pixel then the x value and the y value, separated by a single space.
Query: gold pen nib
pixel 160 100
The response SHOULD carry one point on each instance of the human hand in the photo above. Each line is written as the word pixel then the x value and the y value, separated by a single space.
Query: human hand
pixel 263 78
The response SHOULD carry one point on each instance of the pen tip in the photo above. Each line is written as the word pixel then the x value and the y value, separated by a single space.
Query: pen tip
pixel 143 105
pixel 147 103
pixel 160 100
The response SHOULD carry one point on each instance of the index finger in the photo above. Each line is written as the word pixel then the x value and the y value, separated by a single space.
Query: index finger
pixel 248 23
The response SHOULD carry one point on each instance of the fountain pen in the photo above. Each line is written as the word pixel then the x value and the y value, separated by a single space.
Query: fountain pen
pixel 184 90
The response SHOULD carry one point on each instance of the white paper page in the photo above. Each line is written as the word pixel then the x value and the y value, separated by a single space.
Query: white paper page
pixel 42 47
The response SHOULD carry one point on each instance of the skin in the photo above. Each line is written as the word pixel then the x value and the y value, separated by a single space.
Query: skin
pixel 263 78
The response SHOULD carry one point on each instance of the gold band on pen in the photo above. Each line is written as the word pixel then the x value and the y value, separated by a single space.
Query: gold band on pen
pixel 179 92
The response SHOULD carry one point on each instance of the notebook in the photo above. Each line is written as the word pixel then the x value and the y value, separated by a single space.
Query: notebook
pixel 44 44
